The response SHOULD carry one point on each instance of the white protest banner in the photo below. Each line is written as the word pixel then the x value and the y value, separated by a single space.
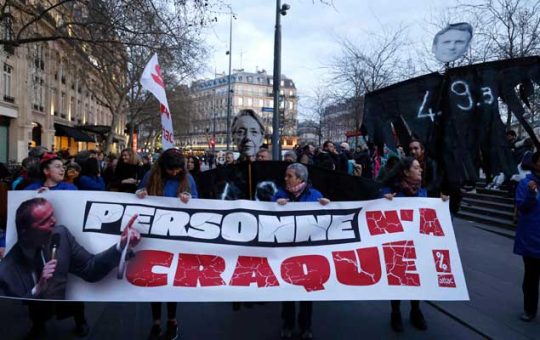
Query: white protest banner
pixel 152 81
pixel 211 250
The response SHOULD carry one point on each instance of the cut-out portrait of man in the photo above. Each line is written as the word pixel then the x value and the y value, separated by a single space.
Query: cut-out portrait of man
pixel 452 42
pixel 248 133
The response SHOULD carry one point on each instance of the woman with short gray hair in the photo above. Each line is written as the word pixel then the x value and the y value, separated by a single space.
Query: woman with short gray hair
pixel 297 189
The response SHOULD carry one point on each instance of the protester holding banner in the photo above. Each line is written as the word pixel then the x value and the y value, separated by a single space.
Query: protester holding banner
pixel 168 178
pixel 405 180
pixel 52 172
pixel 527 242
pixel 297 189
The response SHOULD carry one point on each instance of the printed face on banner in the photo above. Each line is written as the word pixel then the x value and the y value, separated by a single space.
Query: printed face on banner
pixel 450 44
pixel 210 250
pixel 247 135
pixel 42 225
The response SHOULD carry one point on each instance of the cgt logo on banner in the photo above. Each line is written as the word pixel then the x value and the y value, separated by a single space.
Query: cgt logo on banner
pixel 209 250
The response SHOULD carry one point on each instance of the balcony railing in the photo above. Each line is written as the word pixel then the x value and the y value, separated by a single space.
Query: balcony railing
pixel 9 99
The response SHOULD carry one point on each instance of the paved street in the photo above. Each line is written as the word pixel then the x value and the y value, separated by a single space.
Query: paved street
pixel 493 276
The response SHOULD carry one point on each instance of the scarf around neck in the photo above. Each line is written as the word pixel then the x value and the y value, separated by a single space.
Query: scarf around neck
pixel 297 190
pixel 410 187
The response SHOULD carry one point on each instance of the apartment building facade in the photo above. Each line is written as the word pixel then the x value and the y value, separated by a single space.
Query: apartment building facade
pixel 45 100
pixel 249 90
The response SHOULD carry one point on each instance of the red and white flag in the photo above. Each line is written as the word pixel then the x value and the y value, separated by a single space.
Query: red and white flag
pixel 152 81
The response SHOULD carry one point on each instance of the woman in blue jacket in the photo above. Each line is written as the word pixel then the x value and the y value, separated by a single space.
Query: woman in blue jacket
pixel 297 189
pixel 90 178
pixel 168 177
pixel 53 174
pixel 405 180
pixel 527 242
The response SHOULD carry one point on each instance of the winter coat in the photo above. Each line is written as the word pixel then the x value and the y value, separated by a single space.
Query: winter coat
pixel 171 186
pixel 527 241
pixel 91 183
pixel 308 195
pixel 59 186
pixel 386 190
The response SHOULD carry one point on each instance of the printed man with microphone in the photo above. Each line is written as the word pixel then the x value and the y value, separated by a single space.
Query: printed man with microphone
pixel 37 266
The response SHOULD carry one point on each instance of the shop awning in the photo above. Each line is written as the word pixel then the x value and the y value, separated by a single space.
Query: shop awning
pixel 78 135
pixel 99 129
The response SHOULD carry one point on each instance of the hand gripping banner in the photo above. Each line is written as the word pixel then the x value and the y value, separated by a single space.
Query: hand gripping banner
pixel 212 250
pixel 152 81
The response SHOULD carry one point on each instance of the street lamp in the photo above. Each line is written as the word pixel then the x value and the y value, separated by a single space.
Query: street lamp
pixel 276 145
pixel 229 52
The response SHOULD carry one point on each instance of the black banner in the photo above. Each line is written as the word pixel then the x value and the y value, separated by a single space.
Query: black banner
pixel 456 114
pixel 259 180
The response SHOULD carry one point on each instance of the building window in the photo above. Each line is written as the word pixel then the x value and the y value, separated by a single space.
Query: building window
pixel 38 99
pixel 62 107
pixel 39 56
pixel 62 74
pixel 54 101
pixel 72 109
pixel 8 70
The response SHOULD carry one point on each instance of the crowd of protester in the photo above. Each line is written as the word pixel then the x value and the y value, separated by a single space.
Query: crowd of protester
pixel 405 172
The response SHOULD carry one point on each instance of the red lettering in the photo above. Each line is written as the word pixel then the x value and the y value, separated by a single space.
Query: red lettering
pixel 406 215
pixel 399 258
pixel 380 222
pixel 429 222
pixel 203 269
pixel 158 79
pixel 253 269
pixel 360 268
pixel 167 135
pixel 139 270
pixel 310 271
pixel 164 111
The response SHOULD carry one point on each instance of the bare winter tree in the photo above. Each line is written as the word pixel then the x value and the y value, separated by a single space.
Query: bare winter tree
pixel 114 39
pixel 156 29
pixel 73 20
pixel 362 68
pixel 507 29
pixel 317 102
